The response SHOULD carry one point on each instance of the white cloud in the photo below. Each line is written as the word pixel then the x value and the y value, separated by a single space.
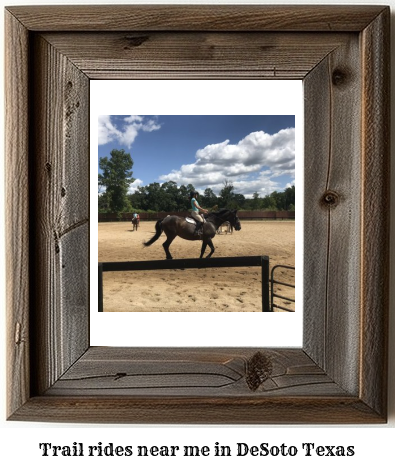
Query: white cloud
pixel 150 126
pixel 124 131
pixel 107 131
pixel 251 165
pixel 133 119
pixel 134 186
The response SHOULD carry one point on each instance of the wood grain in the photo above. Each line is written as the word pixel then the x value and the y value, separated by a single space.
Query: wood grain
pixel 198 410
pixel 196 17
pixel 208 372
pixel 339 376
pixel 196 54
pixel 17 213
pixel 123 385
pixel 60 213
pixel 376 212
pixel 332 133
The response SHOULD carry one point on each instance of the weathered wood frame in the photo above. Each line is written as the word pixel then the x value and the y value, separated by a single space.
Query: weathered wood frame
pixel 340 374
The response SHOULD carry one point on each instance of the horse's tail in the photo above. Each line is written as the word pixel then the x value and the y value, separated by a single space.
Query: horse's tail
pixel 159 230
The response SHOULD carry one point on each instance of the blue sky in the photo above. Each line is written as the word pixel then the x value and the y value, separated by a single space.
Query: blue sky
pixel 254 153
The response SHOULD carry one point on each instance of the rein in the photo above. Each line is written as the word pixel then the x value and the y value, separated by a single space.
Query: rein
pixel 221 219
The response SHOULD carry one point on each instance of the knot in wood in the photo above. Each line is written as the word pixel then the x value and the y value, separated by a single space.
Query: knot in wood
pixel 330 199
pixel 135 41
pixel 259 369
pixel 18 334
pixel 340 77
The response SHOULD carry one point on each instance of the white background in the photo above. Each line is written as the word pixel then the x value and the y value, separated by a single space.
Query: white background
pixel 19 441
pixel 209 96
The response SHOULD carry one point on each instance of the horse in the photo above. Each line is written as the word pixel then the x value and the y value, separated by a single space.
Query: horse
pixel 135 222
pixel 225 228
pixel 174 226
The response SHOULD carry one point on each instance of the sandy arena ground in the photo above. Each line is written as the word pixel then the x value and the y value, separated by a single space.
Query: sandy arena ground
pixel 190 290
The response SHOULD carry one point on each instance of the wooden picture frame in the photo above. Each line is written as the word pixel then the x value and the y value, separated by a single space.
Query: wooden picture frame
pixel 340 374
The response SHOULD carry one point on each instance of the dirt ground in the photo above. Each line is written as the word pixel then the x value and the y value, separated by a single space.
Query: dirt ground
pixel 192 290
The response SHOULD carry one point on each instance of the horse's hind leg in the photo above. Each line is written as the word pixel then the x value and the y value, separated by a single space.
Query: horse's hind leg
pixel 211 245
pixel 204 245
pixel 166 246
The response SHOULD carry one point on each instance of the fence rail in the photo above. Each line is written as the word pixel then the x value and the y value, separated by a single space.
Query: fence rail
pixel 194 263
pixel 252 215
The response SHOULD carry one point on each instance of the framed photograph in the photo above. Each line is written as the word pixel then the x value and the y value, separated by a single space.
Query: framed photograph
pixel 181 145
pixel 339 374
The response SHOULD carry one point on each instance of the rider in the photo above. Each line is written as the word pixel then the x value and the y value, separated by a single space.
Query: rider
pixel 136 218
pixel 195 213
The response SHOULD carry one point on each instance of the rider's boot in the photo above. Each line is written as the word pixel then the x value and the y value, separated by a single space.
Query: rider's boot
pixel 199 228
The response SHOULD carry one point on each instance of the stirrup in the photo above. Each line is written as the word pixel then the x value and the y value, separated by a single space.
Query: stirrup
pixel 199 230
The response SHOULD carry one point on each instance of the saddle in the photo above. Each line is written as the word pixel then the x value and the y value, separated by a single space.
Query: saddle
pixel 193 221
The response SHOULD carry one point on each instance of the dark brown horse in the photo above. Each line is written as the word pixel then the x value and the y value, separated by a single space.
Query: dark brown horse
pixel 174 226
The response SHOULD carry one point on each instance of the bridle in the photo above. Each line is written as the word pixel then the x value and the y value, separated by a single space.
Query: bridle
pixel 226 220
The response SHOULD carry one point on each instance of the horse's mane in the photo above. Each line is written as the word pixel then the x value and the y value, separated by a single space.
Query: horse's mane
pixel 219 213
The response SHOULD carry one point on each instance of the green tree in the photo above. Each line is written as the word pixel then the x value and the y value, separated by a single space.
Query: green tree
pixel 137 199
pixel 289 195
pixel 103 203
pixel 238 201
pixel 116 177
pixel 280 200
pixel 209 198
pixel 169 197
pixel 153 196
pixel 268 203
pixel 256 201
pixel 183 199
pixel 226 195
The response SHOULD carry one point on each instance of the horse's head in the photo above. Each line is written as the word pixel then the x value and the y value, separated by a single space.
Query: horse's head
pixel 234 220
pixel 225 215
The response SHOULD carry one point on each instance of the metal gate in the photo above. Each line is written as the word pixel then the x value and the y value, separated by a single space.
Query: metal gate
pixel 195 263
pixel 274 294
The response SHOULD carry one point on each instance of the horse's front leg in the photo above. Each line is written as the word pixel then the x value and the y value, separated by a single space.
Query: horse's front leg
pixel 211 245
pixel 204 246
pixel 166 246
